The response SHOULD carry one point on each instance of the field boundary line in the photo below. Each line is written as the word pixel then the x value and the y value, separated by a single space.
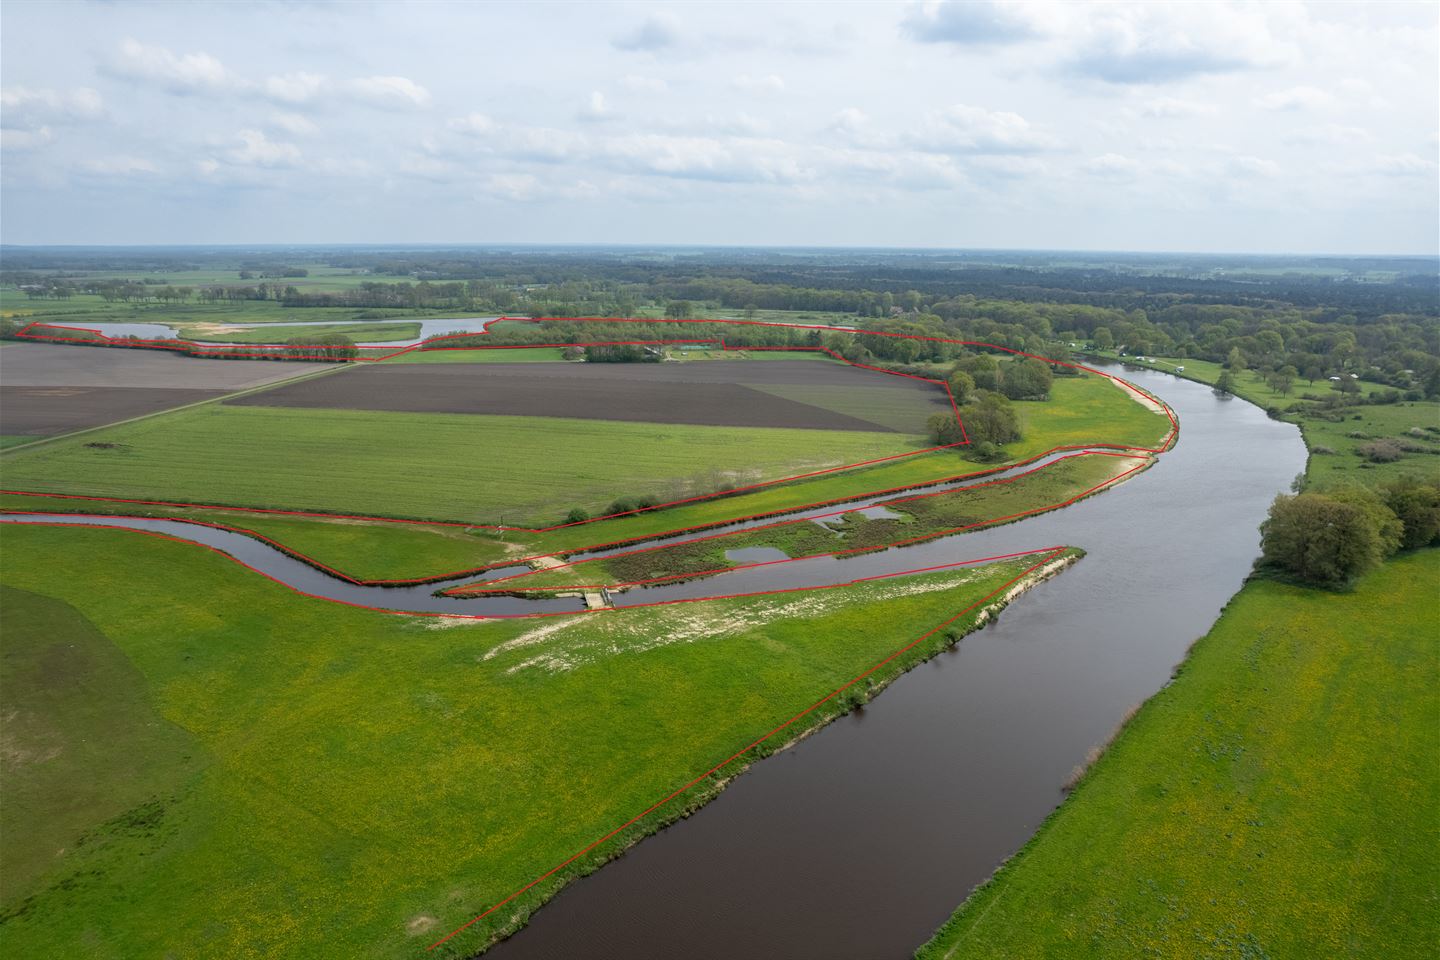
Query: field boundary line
pixel 242 392
pixel 514 561
pixel 489 587
pixel 1164 444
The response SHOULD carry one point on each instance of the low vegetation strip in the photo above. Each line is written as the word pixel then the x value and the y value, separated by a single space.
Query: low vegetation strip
pixel 461 715
pixel 904 520
pixel 1281 799
pixel 358 332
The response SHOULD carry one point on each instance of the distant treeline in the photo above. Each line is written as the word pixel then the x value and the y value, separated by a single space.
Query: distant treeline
pixel 1314 324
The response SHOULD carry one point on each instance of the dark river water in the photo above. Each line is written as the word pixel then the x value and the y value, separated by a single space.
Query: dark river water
pixel 861 840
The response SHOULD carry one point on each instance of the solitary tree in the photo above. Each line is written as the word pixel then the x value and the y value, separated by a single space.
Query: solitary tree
pixel 992 419
pixel 1319 539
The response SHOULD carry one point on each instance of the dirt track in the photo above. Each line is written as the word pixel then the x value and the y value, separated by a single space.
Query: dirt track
pixel 716 394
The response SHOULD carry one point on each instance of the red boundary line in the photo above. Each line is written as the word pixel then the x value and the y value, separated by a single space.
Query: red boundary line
pixel 1049 553
pixel 488 587
pixel 425 346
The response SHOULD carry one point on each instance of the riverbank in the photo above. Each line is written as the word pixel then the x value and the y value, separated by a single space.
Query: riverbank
pixel 510 745
pixel 1279 799
pixel 1334 436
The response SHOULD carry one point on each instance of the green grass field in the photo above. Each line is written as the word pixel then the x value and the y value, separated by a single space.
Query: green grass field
pixel 358 332
pixel 307 779
pixel 511 470
pixel 1281 799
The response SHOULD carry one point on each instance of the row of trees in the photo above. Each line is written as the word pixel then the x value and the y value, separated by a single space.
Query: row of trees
pixel 1330 538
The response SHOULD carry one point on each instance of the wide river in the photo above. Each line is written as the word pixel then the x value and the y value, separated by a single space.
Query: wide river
pixel 860 840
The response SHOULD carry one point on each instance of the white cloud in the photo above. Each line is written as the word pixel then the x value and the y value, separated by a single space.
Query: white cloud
pixel 472 123
pixel 119 166
pixel 257 150
pixel 639 84
pixel 511 186
pixel 27 107
pixel 707 158
pixel 23 140
pixel 391 92
pixel 1295 98
pixel 770 83
pixel 1403 165
pixel 963 129
pixel 659 31
pixel 181 74
pixel 1152 43
pixel 1113 166
pixel 1253 167
pixel 544 144
pixel 1328 134
pixel 594 109
pixel 1171 108
pixel 294 124
pixel 294 88
pixel 972 22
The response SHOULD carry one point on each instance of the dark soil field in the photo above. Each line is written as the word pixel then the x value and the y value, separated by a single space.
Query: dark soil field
pixel 42 411
pixel 52 388
pixel 799 394
pixel 65 365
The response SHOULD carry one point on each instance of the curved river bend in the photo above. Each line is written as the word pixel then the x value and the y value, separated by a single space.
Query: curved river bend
pixel 859 841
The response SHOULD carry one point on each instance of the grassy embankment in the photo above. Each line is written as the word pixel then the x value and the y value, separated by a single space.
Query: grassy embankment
pixel 919 518
pixel 1082 411
pixel 1280 799
pixel 285 776
pixel 1333 439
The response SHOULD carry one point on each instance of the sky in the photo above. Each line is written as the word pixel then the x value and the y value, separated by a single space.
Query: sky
pixel 1234 127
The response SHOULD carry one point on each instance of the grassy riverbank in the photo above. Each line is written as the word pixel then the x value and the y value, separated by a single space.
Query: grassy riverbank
pixel 1335 437
pixel 292 728
pixel 1280 799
